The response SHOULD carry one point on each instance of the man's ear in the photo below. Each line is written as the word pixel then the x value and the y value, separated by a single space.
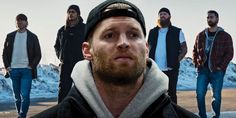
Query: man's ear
pixel 86 51
pixel 147 50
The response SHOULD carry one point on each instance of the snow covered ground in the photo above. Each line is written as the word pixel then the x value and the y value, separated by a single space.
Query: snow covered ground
pixel 46 86
pixel 187 76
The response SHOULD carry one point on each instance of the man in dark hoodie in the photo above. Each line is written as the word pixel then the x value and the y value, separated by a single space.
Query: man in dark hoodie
pixel 117 79
pixel 68 48
pixel 212 53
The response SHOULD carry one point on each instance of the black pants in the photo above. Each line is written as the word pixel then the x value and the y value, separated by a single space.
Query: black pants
pixel 173 79
pixel 65 82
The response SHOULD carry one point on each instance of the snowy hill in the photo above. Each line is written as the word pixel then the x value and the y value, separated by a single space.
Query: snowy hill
pixel 187 75
pixel 46 86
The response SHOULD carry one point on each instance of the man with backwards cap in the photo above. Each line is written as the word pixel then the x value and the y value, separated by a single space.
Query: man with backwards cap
pixel 68 48
pixel 167 47
pixel 21 55
pixel 116 79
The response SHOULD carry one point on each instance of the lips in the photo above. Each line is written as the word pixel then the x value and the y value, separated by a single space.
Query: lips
pixel 123 57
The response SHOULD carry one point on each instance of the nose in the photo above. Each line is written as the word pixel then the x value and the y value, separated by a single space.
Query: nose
pixel 123 42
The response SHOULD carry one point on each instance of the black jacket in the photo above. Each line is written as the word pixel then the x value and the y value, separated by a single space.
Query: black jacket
pixel 33 51
pixel 75 106
pixel 68 45
pixel 172 45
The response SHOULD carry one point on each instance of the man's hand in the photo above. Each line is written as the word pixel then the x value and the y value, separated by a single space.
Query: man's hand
pixel 8 69
pixel 7 72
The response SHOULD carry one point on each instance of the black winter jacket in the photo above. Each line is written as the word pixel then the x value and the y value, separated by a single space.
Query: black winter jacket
pixel 33 51
pixel 75 106
pixel 68 45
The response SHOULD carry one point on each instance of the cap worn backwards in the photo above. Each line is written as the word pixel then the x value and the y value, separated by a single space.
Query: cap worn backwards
pixel 110 8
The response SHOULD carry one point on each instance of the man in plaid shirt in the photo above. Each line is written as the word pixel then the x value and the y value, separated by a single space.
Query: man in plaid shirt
pixel 213 50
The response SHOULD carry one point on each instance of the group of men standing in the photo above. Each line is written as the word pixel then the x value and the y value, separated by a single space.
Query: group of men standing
pixel 22 54
pixel 213 50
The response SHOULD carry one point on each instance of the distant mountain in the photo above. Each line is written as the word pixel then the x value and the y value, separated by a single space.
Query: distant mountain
pixel 48 78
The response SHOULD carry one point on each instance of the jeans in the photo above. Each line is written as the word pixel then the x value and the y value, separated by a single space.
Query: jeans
pixel 173 79
pixel 215 79
pixel 21 83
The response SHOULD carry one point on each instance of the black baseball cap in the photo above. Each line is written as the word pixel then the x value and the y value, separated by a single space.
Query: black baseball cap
pixel 21 17
pixel 103 11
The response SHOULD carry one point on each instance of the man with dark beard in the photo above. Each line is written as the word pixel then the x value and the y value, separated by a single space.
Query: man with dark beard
pixel 167 47
pixel 213 50
pixel 117 79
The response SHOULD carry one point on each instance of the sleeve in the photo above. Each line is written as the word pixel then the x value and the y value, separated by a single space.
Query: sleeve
pixel 37 53
pixel 195 53
pixel 228 52
pixel 57 45
pixel 4 53
pixel 181 37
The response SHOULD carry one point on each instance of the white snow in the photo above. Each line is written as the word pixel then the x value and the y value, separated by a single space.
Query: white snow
pixel 46 86
pixel 188 73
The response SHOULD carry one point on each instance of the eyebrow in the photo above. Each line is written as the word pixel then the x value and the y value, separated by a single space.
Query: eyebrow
pixel 129 26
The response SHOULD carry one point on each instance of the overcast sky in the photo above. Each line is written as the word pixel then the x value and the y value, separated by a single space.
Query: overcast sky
pixel 45 17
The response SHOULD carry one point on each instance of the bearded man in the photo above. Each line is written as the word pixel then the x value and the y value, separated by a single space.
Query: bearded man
pixel 68 48
pixel 167 47
pixel 212 53
pixel 116 79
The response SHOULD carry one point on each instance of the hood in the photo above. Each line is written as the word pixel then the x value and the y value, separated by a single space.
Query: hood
pixel 218 29
pixel 155 84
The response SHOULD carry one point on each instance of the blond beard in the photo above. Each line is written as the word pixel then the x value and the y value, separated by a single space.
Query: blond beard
pixel 110 73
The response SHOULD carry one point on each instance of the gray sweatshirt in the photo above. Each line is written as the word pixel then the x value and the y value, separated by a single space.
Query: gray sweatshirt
pixel 155 84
